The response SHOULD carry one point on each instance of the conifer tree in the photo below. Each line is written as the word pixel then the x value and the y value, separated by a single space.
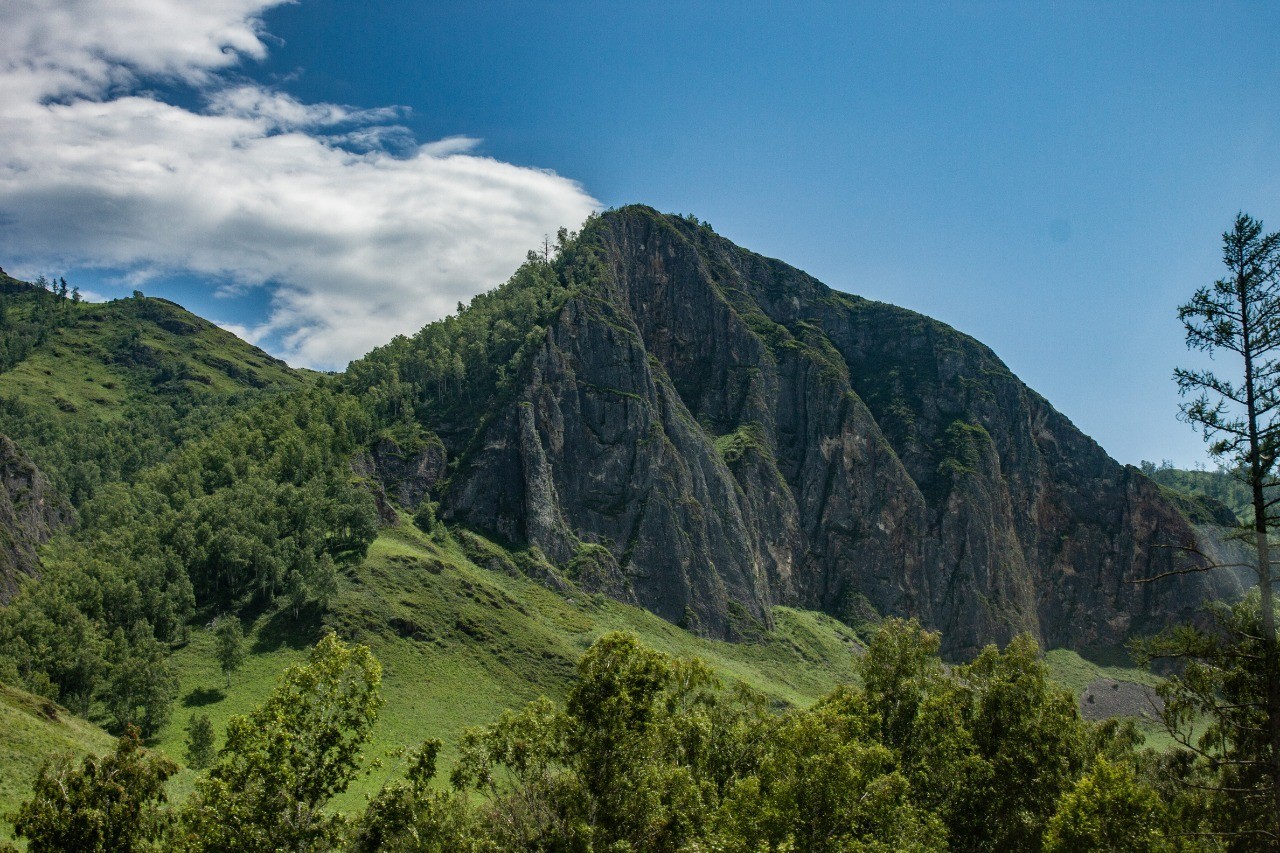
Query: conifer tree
pixel 1239 315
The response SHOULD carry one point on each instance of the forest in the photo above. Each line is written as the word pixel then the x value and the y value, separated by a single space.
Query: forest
pixel 213 490
pixel 650 752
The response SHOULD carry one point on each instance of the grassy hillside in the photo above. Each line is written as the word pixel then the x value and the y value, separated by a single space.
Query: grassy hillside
pixel 32 730
pixel 96 392
pixel 459 643
pixel 462 634
pixel 94 359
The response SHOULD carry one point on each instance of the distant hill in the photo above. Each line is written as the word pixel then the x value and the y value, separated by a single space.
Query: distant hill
pixel 1222 487
pixel 95 392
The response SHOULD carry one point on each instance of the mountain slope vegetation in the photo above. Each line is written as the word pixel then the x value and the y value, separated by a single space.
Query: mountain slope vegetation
pixel 36 730
pixel 652 431
pixel 96 392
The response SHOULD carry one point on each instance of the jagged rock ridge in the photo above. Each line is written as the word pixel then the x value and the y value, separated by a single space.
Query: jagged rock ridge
pixel 710 432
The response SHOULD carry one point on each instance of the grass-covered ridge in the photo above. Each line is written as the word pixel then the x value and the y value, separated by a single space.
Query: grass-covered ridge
pixel 460 643
pixel 96 392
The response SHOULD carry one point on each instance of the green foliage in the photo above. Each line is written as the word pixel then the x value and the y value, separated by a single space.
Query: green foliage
pixel 1006 742
pixel 900 671
pixel 1026 745
pixel 1110 809
pixel 268 494
pixel 603 771
pixel 282 763
pixel 425 517
pixel 652 753
pixel 118 386
pixel 90 611
pixel 1234 675
pixel 200 740
pixel 736 444
pixel 218 508
pixel 410 817
pixel 823 784
pixel 265 505
pixel 37 730
pixel 29 314
pixel 1204 495
pixel 230 644
pixel 963 444
pixel 451 372
pixel 140 687
pixel 109 804
pixel 1215 708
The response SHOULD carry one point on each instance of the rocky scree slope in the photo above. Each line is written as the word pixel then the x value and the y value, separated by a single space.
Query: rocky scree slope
pixel 708 432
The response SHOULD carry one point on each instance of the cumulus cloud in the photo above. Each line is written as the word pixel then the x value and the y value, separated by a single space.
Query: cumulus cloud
pixel 361 231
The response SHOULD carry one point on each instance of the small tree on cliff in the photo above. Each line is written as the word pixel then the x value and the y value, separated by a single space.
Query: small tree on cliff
pixel 1238 314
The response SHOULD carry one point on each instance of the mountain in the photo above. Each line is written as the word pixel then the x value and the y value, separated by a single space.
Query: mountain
pixel 96 392
pixel 681 424
pixel 652 423
pixel 92 394
pixel 686 425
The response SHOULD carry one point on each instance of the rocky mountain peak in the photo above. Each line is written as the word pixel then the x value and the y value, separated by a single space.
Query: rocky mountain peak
pixel 709 432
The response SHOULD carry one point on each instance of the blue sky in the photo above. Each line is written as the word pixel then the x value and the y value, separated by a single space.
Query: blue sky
pixel 1050 178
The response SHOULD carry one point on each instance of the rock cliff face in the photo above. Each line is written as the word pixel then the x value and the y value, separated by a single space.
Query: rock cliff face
pixel 712 432
pixel 30 512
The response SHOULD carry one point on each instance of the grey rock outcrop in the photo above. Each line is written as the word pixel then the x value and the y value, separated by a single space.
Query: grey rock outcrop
pixel 30 513
pixel 720 432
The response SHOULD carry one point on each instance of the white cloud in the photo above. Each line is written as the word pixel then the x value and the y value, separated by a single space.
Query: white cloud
pixel 362 232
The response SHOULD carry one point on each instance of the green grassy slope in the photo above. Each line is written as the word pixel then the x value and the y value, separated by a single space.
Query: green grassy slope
pixel 106 355
pixel 1076 673
pixel 32 730
pixel 459 643
pixel 96 392
pixel 97 367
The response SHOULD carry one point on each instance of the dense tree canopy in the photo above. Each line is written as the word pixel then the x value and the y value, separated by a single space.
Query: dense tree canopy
pixel 266 506
pixel 654 753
